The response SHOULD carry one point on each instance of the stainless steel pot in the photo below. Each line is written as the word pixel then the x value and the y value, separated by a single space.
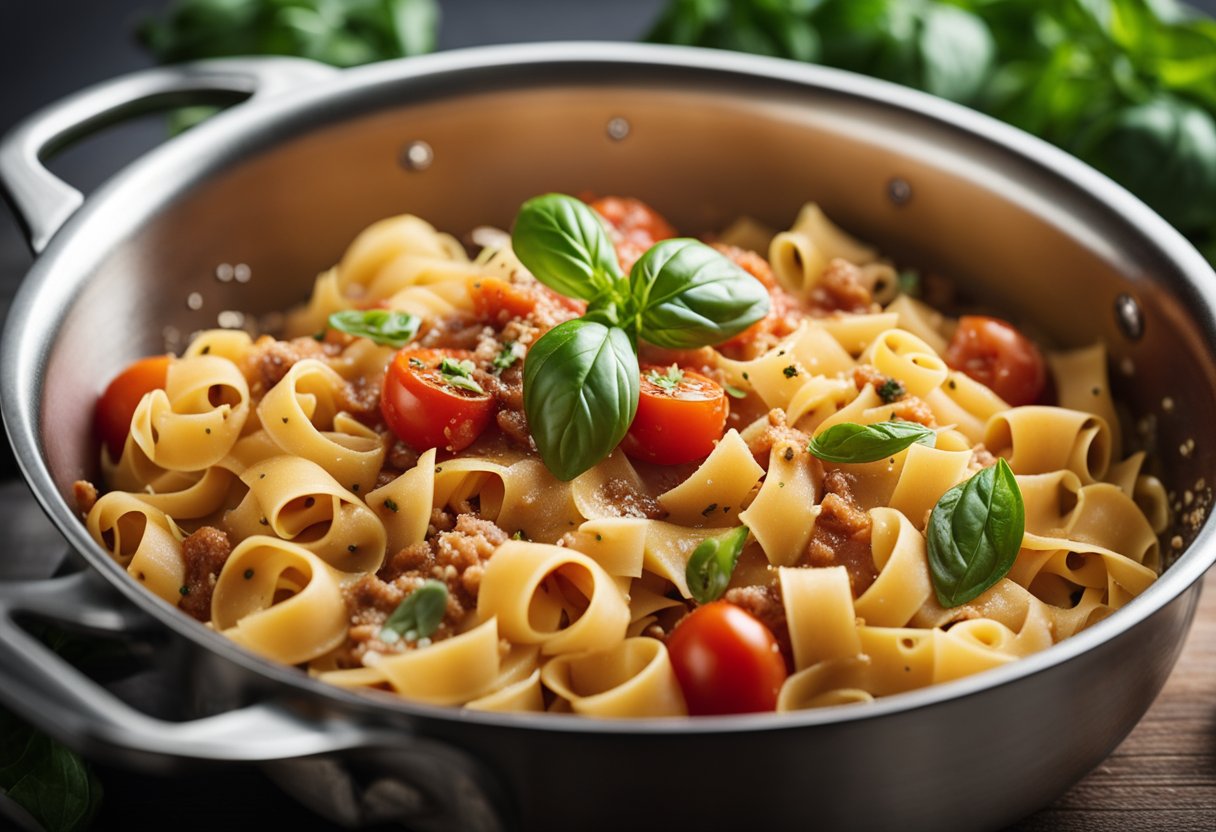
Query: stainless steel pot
pixel 281 184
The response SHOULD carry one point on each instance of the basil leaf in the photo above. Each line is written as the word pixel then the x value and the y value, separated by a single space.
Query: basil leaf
pixel 712 563
pixel 419 615
pixel 385 327
pixel 581 383
pixel 974 534
pixel 850 442
pixel 688 295
pixel 563 243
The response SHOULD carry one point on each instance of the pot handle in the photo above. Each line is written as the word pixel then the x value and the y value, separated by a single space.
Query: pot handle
pixel 43 688
pixel 44 202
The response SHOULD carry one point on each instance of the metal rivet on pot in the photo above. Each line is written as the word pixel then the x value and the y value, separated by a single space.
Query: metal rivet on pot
pixel 899 191
pixel 417 156
pixel 1129 317
pixel 618 128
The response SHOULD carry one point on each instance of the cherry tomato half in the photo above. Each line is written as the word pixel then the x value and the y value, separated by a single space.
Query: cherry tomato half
pixel 681 414
pixel 726 660
pixel 996 355
pixel 112 418
pixel 425 409
pixel 633 226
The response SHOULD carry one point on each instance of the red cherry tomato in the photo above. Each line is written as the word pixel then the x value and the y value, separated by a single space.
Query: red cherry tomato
pixel 726 660
pixel 996 355
pixel 678 420
pixel 117 404
pixel 633 226
pixel 425 409
pixel 492 295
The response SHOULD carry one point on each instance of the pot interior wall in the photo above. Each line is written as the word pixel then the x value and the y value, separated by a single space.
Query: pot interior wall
pixel 1008 231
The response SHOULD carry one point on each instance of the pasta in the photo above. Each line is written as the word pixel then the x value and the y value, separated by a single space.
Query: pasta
pixel 316 500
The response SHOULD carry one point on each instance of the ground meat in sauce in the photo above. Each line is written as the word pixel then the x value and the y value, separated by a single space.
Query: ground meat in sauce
pixel 775 432
pixel 841 289
pixel 981 458
pixel 204 552
pixel 270 360
pixel 85 494
pixel 454 553
pixel 630 502
pixel 913 409
pixel 842 534
pixel 785 311
pixel 765 603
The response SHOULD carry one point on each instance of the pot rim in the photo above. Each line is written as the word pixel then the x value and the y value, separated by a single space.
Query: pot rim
pixel 154 179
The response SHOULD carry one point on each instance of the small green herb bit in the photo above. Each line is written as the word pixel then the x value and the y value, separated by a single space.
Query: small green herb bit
pixel 507 356
pixel 460 374
pixel 667 380
pixel 712 563
pixel 850 442
pixel 419 615
pixel 892 390
pixel 974 534
pixel 383 326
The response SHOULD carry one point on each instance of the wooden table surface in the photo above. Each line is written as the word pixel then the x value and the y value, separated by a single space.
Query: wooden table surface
pixel 1163 776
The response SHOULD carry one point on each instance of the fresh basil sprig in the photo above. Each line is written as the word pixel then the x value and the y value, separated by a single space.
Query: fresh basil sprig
pixel 419 615
pixel 850 442
pixel 383 326
pixel 581 379
pixel 974 534
pixel 712 563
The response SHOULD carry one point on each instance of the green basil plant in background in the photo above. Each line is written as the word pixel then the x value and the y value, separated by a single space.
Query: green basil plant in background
pixel 339 32
pixel 1129 86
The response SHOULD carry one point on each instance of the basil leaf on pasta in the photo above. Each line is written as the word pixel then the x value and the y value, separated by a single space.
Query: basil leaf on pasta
pixel 383 326
pixel 850 442
pixel 688 295
pixel 581 384
pixel 418 616
pixel 974 534
pixel 712 563
pixel 562 241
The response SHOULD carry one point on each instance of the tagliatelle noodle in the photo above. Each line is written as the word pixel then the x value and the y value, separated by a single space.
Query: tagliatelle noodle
pixel 296 468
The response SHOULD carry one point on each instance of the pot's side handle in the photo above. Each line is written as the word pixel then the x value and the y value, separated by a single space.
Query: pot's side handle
pixel 43 688
pixel 44 202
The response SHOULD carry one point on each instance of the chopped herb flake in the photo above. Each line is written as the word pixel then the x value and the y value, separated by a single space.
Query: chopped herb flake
pixel 891 390
pixel 667 380
pixel 460 374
